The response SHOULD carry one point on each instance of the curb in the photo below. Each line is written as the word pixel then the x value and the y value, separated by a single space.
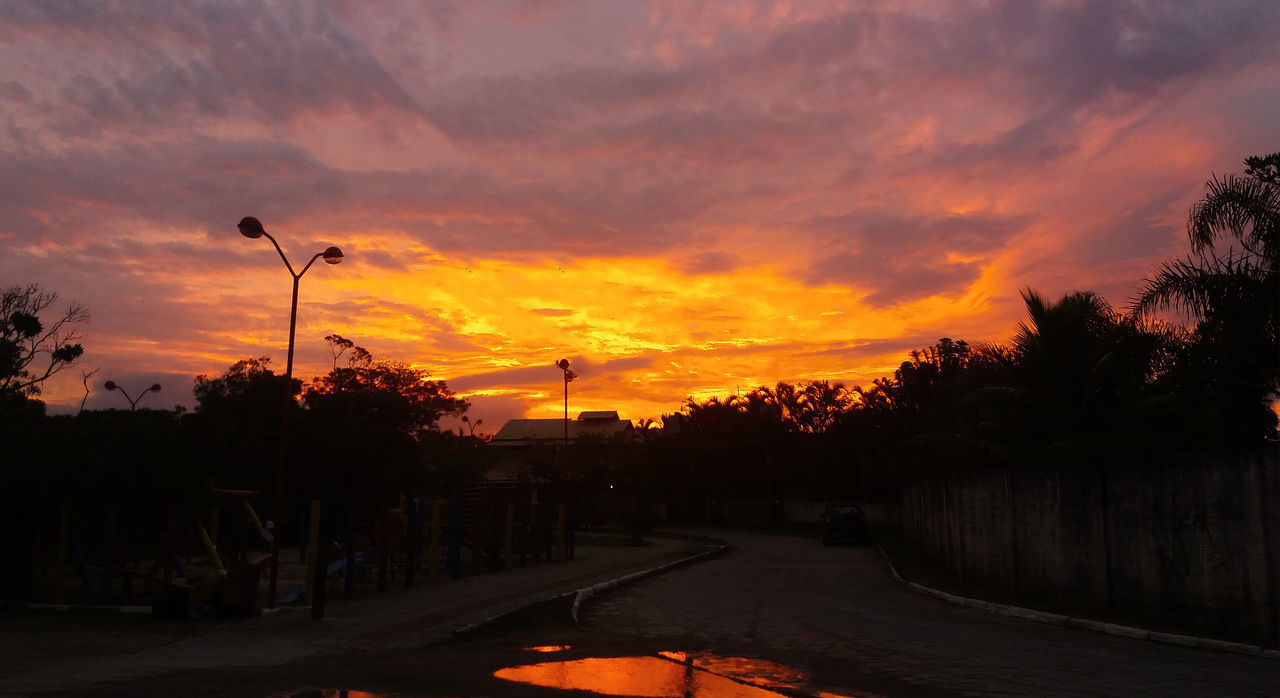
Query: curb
pixel 588 592
pixel 1083 623
pixel 580 595
pixel 74 608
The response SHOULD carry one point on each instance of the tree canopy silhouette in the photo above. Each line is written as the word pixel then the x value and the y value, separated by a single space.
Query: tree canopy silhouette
pixel 388 394
pixel 32 349
pixel 1232 361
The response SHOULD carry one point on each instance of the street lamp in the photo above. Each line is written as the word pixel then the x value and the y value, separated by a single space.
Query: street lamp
pixel 563 365
pixel 472 425
pixel 566 535
pixel 133 403
pixel 251 227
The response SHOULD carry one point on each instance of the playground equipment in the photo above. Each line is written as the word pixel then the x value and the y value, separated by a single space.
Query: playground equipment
pixel 208 558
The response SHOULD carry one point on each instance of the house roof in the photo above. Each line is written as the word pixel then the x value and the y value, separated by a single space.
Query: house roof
pixel 522 432
pixel 600 415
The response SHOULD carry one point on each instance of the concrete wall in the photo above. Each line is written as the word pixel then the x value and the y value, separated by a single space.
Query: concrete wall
pixel 1196 546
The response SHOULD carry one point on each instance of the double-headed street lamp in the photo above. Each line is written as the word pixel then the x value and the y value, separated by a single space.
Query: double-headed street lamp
pixel 563 365
pixel 133 402
pixel 251 227
pixel 566 534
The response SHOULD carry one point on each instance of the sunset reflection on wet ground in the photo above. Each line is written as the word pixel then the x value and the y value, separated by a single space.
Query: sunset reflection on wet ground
pixel 668 674
pixel 660 675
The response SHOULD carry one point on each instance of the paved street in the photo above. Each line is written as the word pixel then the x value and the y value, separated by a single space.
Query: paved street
pixel 835 611
pixel 833 614
pixel 359 641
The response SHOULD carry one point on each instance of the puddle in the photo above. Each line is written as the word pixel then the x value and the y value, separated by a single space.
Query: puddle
pixel 667 674
pixel 662 675
pixel 333 693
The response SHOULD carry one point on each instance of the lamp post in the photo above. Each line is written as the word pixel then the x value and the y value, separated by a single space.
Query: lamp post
pixel 566 533
pixel 563 365
pixel 251 227
pixel 133 403
pixel 472 425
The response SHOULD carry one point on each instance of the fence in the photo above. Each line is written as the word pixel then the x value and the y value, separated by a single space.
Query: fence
pixel 211 558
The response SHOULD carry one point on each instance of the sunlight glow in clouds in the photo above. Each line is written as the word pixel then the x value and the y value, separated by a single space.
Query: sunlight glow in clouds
pixel 683 198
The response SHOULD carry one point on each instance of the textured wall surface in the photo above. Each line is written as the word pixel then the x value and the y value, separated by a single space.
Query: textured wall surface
pixel 1195 544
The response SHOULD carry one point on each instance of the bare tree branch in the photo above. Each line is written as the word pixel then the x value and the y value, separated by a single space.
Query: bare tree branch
pixel 30 352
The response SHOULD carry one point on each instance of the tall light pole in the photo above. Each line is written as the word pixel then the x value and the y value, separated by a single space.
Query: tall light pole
pixel 251 227
pixel 566 535
pixel 563 365
pixel 133 403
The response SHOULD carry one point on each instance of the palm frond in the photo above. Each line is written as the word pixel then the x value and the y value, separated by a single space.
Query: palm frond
pixel 1195 285
pixel 1247 208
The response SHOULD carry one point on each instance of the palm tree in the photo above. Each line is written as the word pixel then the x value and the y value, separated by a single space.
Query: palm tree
pixel 1245 209
pixel 1234 296
pixel 1061 350
pixel 821 404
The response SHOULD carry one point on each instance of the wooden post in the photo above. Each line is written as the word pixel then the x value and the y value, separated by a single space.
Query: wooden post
pixel 167 546
pixel 453 557
pixel 535 530
pixel 313 549
pixel 560 533
pixel 495 525
pixel 412 537
pixel 433 546
pixel 303 542
pixel 60 574
pixel 318 563
pixel 509 534
pixel 349 579
pixel 108 556
pixel 382 534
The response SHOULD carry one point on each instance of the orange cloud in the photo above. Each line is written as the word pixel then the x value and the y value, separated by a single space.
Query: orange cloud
pixel 683 198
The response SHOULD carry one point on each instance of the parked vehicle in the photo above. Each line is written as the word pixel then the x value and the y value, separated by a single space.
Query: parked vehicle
pixel 845 521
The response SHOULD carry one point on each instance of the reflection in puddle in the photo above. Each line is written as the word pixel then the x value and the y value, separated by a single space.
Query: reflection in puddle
pixel 333 693
pixel 674 674
pixel 547 649
pixel 753 671
pixel 652 677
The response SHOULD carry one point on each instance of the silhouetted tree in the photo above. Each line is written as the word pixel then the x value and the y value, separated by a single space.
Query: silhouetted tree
pixel 388 394
pixel 135 459
pixel 370 430
pixel 811 408
pixel 1232 361
pixel 1061 349
pixel 235 428
pixel 33 350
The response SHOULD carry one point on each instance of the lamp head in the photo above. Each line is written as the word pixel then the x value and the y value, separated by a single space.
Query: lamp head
pixel 109 385
pixel 333 255
pixel 155 387
pixel 251 227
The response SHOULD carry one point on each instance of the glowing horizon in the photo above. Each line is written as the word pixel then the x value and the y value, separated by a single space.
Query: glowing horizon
pixel 683 199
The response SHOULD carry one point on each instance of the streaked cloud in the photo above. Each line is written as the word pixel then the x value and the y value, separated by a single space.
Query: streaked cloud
pixel 684 198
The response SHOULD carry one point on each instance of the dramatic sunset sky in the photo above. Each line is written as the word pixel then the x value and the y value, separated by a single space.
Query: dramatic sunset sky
pixel 682 198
